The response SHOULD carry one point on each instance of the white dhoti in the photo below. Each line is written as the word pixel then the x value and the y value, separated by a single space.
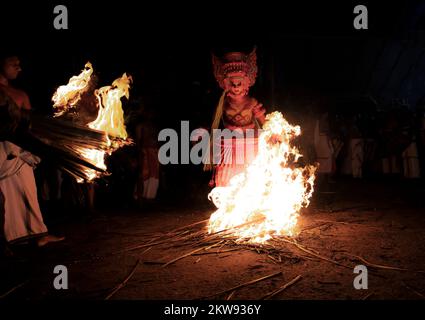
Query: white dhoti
pixel 324 150
pixel 22 214
pixel 411 166
pixel 353 162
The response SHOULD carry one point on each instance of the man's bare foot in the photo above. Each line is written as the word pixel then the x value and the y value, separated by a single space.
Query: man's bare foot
pixel 48 238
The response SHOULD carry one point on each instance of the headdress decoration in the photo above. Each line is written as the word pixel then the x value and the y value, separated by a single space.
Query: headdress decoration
pixel 235 62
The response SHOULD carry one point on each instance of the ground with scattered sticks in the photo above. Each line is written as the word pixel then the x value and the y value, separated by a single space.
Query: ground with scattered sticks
pixel 166 253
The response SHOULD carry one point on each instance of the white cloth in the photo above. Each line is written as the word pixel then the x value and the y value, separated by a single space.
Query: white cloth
pixel 324 150
pixel 22 212
pixel 354 159
pixel 411 166
pixel 390 165
pixel 150 188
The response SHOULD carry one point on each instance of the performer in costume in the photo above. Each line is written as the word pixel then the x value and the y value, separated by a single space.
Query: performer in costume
pixel 235 72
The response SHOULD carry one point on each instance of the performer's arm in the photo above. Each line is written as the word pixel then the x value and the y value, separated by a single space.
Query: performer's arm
pixel 259 113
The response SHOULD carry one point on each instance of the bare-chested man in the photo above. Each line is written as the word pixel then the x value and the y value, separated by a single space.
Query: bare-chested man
pixel 22 217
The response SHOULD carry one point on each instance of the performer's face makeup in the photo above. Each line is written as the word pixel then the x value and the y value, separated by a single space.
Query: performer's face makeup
pixel 236 85
pixel 11 68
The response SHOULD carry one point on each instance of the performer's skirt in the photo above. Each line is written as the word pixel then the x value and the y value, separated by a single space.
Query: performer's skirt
pixel 236 155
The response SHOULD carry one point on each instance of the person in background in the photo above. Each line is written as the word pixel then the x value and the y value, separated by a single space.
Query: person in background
pixel 147 142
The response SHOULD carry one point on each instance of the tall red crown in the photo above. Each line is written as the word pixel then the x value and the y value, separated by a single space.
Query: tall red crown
pixel 235 62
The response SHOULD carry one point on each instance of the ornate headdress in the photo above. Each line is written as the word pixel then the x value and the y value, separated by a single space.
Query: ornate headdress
pixel 235 62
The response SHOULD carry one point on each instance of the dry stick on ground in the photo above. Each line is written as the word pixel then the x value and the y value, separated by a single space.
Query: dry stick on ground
pixel 188 236
pixel 226 232
pixel 144 251
pixel 378 266
pixel 188 226
pixel 368 296
pixel 230 230
pixel 230 295
pixel 275 261
pixel 245 284
pixel 286 285
pixel 218 252
pixel 190 253
pixel 170 235
pixel 214 236
pixel 122 284
pixel 141 246
pixel 314 227
pixel 414 290
pixel 13 289
pixel 180 235
pixel 173 232
pixel 315 254
pixel 349 223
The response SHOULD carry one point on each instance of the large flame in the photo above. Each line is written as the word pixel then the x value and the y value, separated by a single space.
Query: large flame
pixel 110 117
pixel 67 96
pixel 265 199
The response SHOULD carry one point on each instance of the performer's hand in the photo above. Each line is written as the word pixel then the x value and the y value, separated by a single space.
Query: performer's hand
pixel 211 184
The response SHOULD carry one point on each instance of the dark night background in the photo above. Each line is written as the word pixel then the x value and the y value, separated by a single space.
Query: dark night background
pixel 309 55
pixel 303 50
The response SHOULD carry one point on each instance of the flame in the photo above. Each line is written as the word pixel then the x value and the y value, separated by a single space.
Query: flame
pixel 265 200
pixel 110 117
pixel 67 96
pixel 95 157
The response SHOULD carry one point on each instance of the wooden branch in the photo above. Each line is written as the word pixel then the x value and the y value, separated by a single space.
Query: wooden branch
pixel 190 253
pixel 188 226
pixel 284 287
pixel 379 266
pixel 149 244
pixel 414 290
pixel 218 252
pixel 230 295
pixel 315 254
pixel 368 296
pixel 245 284
pixel 122 284
pixel 12 290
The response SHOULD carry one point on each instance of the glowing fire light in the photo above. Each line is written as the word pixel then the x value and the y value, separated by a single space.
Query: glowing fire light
pixel 95 157
pixel 265 200
pixel 67 96
pixel 110 117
